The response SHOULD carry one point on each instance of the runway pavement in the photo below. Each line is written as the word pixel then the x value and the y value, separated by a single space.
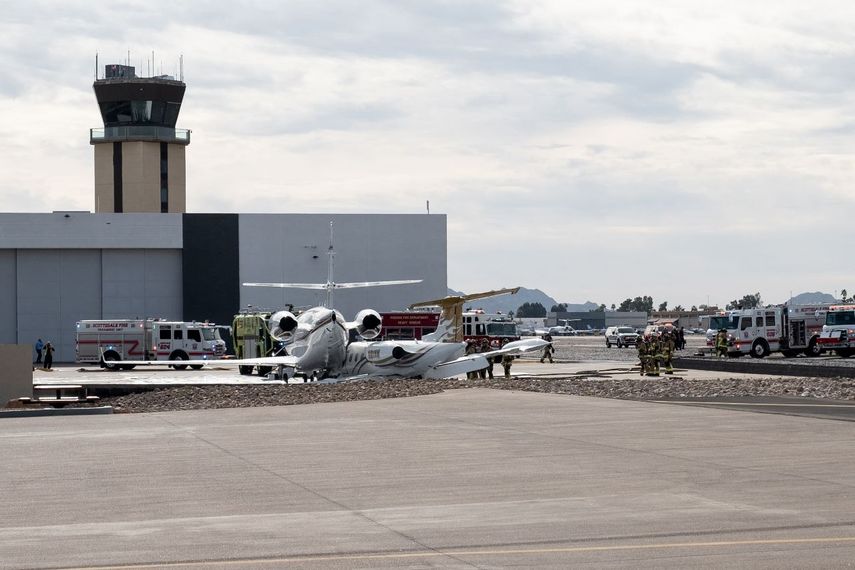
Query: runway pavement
pixel 464 479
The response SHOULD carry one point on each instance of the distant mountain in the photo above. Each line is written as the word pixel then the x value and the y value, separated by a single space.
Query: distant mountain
pixel 507 303
pixel 813 298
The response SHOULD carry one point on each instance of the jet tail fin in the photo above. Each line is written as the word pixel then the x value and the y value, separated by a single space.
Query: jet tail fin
pixel 450 328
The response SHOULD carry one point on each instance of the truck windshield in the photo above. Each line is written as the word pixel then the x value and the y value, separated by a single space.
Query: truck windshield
pixel 210 334
pixel 502 329
pixel 840 318
pixel 718 323
pixel 626 330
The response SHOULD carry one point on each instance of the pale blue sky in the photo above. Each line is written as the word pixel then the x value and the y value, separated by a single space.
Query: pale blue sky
pixel 597 151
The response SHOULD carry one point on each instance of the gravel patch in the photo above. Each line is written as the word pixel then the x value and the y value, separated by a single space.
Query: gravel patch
pixel 626 387
pixel 620 385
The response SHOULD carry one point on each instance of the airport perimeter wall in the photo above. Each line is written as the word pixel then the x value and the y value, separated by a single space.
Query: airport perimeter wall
pixel 16 374
pixel 58 268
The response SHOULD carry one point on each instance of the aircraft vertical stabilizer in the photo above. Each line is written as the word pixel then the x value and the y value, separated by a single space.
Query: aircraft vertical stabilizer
pixel 450 328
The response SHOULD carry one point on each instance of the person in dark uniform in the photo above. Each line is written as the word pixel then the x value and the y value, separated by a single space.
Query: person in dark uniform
pixel 39 347
pixel 48 355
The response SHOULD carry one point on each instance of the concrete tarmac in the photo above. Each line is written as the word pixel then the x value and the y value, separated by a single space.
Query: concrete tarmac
pixel 464 479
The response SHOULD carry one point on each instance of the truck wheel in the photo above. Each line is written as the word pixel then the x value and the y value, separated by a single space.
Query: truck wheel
pixel 608 344
pixel 264 370
pixel 620 343
pixel 813 348
pixel 845 352
pixel 245 370
pixel 196 366
pixel 789 353
pixel 759 349
pixel 178 356
pixel 109 358
pixel 128 366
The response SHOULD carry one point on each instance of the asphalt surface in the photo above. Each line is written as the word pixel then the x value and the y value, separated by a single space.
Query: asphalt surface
pixel 464 479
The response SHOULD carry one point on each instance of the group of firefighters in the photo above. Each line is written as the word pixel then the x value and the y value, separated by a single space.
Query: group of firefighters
pixel 506 360
pixel 656 350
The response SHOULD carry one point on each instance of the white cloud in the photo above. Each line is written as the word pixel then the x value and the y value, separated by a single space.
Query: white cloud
pixel 595 151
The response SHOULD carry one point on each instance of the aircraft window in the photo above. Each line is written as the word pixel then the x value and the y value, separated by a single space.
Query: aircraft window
pixel 165 333
pixel 179 334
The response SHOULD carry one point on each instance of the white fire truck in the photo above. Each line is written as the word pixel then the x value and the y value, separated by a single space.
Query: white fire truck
pixel 146 339
pixel 497 328
pixel 759 332
pixel 838 332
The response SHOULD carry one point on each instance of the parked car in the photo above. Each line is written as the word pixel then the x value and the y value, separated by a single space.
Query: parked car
pixel 621 336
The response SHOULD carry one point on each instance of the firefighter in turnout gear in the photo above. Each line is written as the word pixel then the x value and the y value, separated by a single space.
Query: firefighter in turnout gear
pixel 669 343
pixel 642 354
pixel 721 343
pixel 654 354
pixel 548 350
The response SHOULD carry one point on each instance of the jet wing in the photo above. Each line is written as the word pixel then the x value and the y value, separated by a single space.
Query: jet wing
pixel 462 365
pixel 518 347
pixel 478 360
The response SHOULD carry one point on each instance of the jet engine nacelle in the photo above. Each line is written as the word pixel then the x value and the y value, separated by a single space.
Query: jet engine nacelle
pixel 282 325
pixel 381 353
pixel 368 324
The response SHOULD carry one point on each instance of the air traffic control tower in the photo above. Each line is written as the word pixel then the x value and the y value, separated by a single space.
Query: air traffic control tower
pixel 139 154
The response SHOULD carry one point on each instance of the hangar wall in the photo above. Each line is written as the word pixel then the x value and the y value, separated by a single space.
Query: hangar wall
pixel 56 269
pixel 368 247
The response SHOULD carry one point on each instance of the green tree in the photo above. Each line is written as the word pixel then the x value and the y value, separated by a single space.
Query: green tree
pixel 663 306
pixel 679 308
pixel 559 308
pixel 529 310
pixel 643 304
pixel 747 302
pixel 843 296
pixel 613 306
pixel 601 308
pixel 694 308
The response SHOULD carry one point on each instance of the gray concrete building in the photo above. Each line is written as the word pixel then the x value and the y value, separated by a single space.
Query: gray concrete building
pixel 597 319
pixel 58 268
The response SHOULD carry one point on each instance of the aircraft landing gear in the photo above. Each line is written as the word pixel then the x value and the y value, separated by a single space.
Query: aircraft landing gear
pixel 281 372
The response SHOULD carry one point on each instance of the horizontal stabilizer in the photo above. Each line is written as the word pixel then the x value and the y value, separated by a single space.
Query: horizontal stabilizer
pixel 323 286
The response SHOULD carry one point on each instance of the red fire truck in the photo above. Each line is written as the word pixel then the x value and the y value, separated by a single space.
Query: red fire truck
pixel 408 325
